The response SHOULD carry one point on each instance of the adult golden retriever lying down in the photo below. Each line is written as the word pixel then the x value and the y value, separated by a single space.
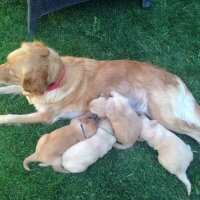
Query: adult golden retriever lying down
pixel 62 87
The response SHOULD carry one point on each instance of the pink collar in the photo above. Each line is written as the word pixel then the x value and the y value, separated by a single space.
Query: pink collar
pixel 58 82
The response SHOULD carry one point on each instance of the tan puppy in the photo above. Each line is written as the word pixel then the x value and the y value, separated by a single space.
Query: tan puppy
pixel 173 154
pixel 125 121
pixel 50 147
pixel 81 155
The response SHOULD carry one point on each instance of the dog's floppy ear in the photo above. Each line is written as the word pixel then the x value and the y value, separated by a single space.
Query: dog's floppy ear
pixel 35 82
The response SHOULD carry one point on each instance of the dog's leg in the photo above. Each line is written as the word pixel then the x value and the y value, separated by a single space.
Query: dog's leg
pixel 183 127
pixel 178 125
pixel 11 89
pixel 38 117
pixel 176 109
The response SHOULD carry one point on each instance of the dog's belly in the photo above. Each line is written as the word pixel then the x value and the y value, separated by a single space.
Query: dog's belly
pixel 67 115
pixel 139 106
pixel 137 98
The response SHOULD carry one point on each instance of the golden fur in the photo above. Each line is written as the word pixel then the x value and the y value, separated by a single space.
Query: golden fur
pixel 126 123
pixel 50 147
pixel 173 154
pixel 80 156
pixel 150 90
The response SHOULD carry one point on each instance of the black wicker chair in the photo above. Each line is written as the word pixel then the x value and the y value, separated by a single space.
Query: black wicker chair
pixel 38 8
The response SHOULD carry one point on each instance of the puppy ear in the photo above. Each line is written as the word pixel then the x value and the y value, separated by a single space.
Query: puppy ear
pixel 35 82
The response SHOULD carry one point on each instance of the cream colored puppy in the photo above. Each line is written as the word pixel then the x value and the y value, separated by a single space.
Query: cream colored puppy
pixel 173 154
pixel 81 155
pixel 50 147
pixel 126 123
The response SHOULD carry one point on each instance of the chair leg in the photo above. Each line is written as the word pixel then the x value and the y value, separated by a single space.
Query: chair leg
pixel 31 19
pixel 146 3
pixel 32 26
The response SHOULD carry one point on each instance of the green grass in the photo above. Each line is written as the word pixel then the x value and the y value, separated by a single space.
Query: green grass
pixel 167 35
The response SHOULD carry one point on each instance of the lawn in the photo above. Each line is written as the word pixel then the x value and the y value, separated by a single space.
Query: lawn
pixel 167 35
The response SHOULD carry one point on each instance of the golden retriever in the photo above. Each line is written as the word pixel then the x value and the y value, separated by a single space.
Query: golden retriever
pixel 126 123
pixel 50 147
pixel 80 156
pixel 62 87
pixel 173 154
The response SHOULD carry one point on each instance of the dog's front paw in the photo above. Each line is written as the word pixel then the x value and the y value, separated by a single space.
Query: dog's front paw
pixel 6 119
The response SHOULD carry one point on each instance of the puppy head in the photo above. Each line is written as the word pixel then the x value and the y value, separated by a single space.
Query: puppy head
pixel 114 108
pixel 97 106
pixel 89 125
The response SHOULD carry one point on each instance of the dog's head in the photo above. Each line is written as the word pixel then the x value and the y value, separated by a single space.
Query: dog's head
pixel 33 65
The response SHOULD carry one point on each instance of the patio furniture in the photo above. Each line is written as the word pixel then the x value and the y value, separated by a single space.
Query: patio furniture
pixel 38 8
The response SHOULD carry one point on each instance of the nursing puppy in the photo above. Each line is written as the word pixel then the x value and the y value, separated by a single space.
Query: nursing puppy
pixel 126 123
pixel 50 147
pixel 81 155
pixel 173 154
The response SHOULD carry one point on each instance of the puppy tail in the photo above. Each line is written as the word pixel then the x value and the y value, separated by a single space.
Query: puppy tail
pixel 183 177
pixel 31 158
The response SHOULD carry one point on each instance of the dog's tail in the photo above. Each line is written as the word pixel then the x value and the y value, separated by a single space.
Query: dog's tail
pixel 31 158
pixel 183 177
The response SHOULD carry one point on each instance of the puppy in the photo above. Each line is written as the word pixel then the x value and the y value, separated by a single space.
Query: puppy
pixel 81 155
pixel 173 154
pixel 50 147
pixel 126 123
